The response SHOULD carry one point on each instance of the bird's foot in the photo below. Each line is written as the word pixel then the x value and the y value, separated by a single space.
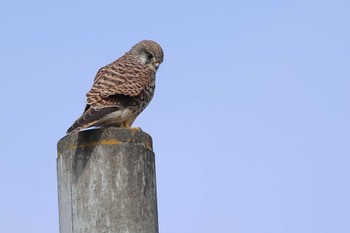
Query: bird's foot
pixel 136 129
pixel 128 126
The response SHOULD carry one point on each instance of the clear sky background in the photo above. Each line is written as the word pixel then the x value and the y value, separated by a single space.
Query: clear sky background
pixel 250 119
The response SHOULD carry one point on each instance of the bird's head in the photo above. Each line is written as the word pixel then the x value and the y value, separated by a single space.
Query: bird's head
pixel 149 52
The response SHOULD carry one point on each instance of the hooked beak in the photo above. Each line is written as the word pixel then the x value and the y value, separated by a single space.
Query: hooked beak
pixel 156 65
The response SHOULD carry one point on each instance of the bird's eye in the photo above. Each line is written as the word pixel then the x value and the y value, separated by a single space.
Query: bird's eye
pixel 149 56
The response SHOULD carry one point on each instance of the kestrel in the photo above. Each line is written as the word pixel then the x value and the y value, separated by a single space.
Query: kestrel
pixel 122 89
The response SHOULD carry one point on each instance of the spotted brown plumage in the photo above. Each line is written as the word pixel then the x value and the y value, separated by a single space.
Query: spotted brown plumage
pixel 122 89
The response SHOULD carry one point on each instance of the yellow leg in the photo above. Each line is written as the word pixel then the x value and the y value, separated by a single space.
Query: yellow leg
pixel 127 124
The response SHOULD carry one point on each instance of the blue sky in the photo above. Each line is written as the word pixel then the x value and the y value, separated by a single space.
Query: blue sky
pixel 250 119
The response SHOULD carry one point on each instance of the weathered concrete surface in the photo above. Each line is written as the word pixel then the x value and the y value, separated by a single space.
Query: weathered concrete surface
pixel 106 182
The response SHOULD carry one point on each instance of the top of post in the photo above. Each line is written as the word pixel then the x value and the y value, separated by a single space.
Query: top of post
pixel 103 136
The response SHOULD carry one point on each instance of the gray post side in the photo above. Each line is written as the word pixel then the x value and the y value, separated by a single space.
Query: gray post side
pixel 107 182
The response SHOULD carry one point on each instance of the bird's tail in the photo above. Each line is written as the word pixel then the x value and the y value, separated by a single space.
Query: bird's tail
pixel 90 118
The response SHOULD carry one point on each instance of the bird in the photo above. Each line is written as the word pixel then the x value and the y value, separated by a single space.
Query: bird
pixel 122 89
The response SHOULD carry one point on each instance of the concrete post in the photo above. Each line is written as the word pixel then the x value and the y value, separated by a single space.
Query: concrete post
pixel 106 182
